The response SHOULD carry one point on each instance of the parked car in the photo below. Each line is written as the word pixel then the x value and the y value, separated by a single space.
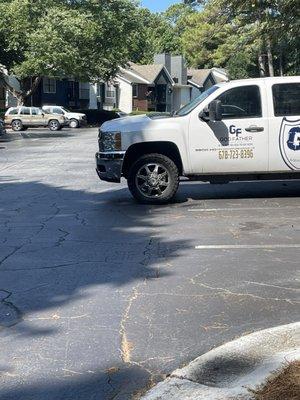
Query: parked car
pixel 239 130
pixel 21 118
pixel 74 119
pixel 2 127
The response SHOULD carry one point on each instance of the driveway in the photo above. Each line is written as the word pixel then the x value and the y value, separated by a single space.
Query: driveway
pixel 101 297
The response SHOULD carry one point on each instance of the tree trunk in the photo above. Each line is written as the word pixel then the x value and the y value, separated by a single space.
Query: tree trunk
pixel 261 65
pixel 281 62
pixel 270 58
pixel 20 95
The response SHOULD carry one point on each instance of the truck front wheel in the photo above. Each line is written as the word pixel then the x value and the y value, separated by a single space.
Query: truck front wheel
pixel 153 179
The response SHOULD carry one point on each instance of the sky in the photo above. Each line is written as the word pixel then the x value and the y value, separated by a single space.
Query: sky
pixel 158 5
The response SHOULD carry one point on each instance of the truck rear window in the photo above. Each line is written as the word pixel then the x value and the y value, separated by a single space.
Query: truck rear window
pixel 286 99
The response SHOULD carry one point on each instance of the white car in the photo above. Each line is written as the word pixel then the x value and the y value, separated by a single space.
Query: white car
pixel 239 130
pixel 75 120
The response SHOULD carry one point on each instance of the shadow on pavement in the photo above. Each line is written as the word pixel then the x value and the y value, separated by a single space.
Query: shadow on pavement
pixel 56 243
pixel 56 246
pixel 35 134
pixel 238 190
pixel 120 384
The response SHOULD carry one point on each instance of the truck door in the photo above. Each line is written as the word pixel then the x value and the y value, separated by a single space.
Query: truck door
pixel 284 105
pixel 238 143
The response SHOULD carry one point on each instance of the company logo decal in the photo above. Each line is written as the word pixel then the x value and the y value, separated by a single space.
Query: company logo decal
pixel 289 143
pixel 233 130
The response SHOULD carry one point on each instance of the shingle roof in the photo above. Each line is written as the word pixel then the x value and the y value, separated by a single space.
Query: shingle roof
pixel 198 76
pixel 140 73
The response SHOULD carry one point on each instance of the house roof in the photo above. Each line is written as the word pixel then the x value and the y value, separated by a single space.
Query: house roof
pixel 198 76
pixel 136 73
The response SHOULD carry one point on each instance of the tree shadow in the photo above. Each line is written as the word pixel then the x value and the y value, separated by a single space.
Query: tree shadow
pixel 36 134
pixel 57 247
pixel 116 383
pixel 87 238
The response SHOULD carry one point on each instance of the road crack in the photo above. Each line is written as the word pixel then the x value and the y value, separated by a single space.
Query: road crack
pixel 10 315
pixel 231 293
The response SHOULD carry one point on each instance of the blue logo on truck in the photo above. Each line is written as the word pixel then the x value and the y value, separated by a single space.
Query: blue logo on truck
pixel 289 143
pixel 294 139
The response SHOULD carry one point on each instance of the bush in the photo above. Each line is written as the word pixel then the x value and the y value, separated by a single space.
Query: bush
pixel 138 112
pixel 98 117
pixel 2 112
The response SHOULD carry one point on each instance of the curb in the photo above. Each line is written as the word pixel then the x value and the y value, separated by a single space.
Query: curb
pixel 227 372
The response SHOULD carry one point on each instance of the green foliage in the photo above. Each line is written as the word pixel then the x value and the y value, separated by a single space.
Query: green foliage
pixel 159 32
pixel 233 34
pixel 90 39
pixel 85 39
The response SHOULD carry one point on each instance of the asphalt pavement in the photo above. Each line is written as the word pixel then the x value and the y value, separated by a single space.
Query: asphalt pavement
pixel 100 297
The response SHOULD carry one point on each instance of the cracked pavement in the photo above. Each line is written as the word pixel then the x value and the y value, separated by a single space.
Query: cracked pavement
pixel 101 298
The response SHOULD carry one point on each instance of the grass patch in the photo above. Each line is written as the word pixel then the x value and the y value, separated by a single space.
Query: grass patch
pixel 284 385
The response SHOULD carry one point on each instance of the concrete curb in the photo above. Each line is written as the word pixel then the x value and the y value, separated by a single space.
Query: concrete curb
pixel 228 371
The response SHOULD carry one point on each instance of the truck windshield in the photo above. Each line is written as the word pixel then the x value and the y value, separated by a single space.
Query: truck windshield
pixel 198 100
pixel 65 109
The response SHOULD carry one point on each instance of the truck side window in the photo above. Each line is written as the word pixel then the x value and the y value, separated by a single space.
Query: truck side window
pixel 286 99
pixel 36 111
pixel 25 111
pixel 241 102
pixel 57 110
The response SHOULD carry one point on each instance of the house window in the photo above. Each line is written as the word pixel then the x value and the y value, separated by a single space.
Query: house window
pixel 110 91
pixel 84 90
pixel 71 90
pixel 49 85
pixel 135 90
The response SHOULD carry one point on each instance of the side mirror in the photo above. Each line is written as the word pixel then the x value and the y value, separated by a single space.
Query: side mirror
pixel 204 114
pixel 215 111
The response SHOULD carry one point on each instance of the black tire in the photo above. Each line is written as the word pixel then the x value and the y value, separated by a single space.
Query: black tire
pixel 16 125
pixel 74 123
pixel 54 125
pixel 147 192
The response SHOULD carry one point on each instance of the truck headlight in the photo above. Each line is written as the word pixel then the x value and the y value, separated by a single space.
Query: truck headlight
pixel 110 141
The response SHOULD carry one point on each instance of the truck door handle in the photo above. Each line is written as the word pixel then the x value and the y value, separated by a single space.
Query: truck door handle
pixel 254 128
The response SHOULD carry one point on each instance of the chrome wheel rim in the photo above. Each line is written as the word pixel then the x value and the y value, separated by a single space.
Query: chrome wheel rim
pixel 17 125
pixel 152 180
pixel 53 125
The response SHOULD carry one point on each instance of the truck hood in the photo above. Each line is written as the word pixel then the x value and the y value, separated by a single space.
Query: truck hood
pixel 74 115
pixel 132 123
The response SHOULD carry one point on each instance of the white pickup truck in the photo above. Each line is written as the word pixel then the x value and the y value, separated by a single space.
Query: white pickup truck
pixel 239 130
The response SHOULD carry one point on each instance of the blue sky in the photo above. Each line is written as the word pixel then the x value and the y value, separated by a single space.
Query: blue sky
pixel 158 5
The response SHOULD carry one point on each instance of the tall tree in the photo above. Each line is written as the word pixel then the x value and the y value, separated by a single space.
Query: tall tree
pixel 85 39
pixel 257 37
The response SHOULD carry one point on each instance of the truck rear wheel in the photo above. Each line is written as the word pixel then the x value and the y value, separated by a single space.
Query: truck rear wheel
pixel 153 179
pixel 54 125
pixel 17 125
